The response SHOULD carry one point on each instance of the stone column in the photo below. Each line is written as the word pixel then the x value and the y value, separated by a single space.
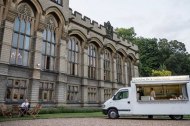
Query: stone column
pixel 115 86
pixel 61 90
pixel 84 86
pixel 1 12
pixel 62 59
pixel 36 75
pixel 6 42
pixel 3 83
pixel 101 77
pixel 126 75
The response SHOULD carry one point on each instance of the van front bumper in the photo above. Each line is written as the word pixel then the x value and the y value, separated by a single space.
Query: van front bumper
pixel 105 111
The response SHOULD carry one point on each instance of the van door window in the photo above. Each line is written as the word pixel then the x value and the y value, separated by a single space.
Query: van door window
pixel 121 95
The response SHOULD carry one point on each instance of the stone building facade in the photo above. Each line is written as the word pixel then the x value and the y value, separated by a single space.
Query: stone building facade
pixel 56 57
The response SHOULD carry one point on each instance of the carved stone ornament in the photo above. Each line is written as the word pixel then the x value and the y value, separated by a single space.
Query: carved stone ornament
pixel 25 10
pixel 41 26
pixel 65 36
pixel 85 45
pixel 109 30
pixel 50 21
pixel 11 16
pixel 115 55
pixel 102 50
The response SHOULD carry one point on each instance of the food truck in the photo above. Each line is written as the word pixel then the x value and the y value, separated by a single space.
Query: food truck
pixel 171 98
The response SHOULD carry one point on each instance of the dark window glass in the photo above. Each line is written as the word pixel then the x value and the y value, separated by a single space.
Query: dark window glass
pixel 20 42
pixel 16 25
pixel 28 28
pixel 27 43
pixel 15 40
pixel 23 25
pixel 73 53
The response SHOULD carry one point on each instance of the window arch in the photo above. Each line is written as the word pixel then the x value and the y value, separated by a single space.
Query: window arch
pixel 119 68
pixel 57 1
pixel 107 65
pixel 73 56
pixel 21 41
pixel 49 45
pixel 92 61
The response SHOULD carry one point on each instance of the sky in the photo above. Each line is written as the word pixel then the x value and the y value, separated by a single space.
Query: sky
pixel 168 19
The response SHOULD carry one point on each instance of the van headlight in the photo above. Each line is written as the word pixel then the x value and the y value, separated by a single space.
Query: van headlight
pixel 103 106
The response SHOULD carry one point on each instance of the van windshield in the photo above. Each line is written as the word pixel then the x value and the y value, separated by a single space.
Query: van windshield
pixel 123 94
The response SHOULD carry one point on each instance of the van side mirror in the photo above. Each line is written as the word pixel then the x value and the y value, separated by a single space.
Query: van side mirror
pixel 114 97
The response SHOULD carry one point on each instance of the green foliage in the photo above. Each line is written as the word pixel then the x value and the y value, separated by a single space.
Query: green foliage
pixel 148 49
pixel 126 33
pixel 154 53
pixel 68 110
pixel 161 73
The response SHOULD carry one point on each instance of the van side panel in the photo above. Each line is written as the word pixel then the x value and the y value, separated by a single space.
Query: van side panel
pixel 161 107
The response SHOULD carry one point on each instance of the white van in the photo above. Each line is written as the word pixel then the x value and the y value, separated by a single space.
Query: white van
pixel 172 98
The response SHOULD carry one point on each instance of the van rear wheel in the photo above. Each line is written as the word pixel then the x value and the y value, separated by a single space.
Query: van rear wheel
pixel 176 117
pixel 113 114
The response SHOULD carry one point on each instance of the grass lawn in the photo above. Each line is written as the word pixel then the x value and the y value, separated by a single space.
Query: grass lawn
pixel 57 115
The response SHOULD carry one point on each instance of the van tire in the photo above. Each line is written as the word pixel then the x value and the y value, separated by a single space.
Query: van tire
pixel 113 114
pixel 176 117
pixel 150 116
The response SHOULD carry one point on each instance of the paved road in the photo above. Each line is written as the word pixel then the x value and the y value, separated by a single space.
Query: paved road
pixel 96 122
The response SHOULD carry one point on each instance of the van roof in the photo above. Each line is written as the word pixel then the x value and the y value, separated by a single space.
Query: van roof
pixel 161 79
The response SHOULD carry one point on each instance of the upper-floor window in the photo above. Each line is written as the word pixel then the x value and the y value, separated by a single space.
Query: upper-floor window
pixel 57 1
pixel 107 65
pixel 73 54
pixel 119 68
pixel 92 61
pixel 21 40
pixel 48 47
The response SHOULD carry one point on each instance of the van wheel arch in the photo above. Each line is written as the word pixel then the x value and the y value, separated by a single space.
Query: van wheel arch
pixel 113 113
pixel 176 117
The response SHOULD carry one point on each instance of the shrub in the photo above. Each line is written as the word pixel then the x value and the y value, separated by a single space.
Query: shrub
pixel 68 110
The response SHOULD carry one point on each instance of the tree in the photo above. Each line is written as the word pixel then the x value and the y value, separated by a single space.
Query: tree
pixel 174 56
pixel 148 55
pixel 153 54
pixel 126 33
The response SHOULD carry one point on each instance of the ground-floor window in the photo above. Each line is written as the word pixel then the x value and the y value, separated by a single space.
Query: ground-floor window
pixel 16 89
pixel 107 93
pixel 46 91
pixel 73 93
pixel 92 94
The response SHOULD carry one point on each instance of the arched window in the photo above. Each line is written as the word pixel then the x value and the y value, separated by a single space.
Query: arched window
pixel 21 40
pixel 57 1
pixel 119 68
pixel 49 46
pixel 73 54
pixel 92 61
pixel 107 65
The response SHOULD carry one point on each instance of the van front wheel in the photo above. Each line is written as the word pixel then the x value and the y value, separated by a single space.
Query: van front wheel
pixel 113 114
pixel 176 117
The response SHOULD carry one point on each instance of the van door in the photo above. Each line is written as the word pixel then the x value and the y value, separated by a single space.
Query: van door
pixel 122 102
